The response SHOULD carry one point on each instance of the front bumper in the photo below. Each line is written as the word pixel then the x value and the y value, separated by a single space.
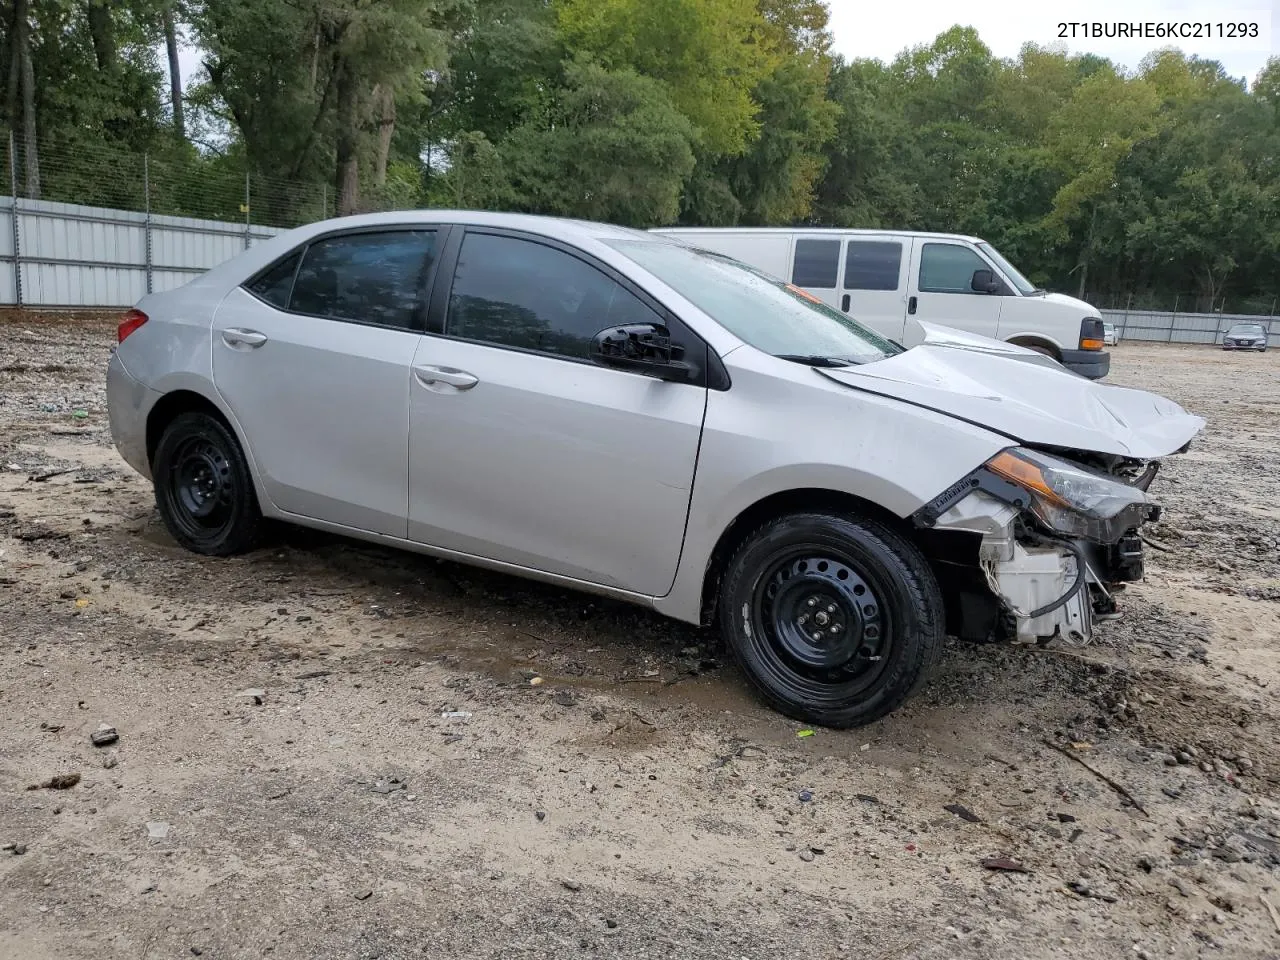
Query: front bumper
pixel 128 402
pixel 1260 346
pixel 1091 364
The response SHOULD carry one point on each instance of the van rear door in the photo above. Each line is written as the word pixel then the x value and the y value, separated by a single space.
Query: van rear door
pixel 874 281
pixel 941 287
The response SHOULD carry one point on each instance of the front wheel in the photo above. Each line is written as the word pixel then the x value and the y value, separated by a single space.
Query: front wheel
pixel 835 620
pixel 203 487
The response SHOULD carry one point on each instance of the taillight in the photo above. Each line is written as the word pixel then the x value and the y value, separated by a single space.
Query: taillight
pixel 131 322
pixel 1091 333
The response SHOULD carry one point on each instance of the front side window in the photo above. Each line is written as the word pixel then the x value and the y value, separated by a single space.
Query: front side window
pixel 872 265
pixel 1246 330
pixel 948 268
pixel 519 293
pixel 378 278
pixel 816 264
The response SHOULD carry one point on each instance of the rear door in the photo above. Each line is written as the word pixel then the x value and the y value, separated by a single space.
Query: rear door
pixel 313 358
pixel 941 287
pixel 521 449
pixel 873 282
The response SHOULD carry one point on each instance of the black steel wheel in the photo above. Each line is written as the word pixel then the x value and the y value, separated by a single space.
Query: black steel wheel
pixel 203 487
pixel 834 620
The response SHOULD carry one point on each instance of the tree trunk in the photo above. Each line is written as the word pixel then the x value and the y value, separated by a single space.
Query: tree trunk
pixel 347 174
pixel 22 95
pixel 175 71
pixel 386 129
pixel 102 33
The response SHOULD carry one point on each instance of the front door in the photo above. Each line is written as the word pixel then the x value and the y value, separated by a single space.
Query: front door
pixel 941 287
pixel 523 451
pixel 313 358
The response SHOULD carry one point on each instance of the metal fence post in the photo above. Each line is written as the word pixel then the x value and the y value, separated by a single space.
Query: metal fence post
pixel 324 201
pixel 13 216
pixel 146 190
pixel 1173 320
pixel 246 209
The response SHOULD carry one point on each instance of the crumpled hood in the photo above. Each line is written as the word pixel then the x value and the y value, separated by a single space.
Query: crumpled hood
pixel 1025 395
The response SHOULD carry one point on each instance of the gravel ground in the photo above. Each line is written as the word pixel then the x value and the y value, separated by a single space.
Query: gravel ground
pixel 288 781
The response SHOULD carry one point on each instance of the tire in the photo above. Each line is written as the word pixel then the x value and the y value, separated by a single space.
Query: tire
pixel 204 490
pixel 884 650
pixel 1040 349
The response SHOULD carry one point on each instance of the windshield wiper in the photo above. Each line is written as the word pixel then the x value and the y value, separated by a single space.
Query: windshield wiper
pixel 814 360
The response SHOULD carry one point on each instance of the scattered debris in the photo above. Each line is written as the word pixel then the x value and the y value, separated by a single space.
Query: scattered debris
pixel 1005 864
pixel 540 814
pixel 573 885
pixel 313 674
pixel 806 796
pixel 456 715
pixel 1082 889
pixel 157 830
pixel 253 693
pixel 50 727
pixel 1118 788
pixel 63 781
pixel 19 849
pixel 536 681
pixel 963 812
pixel 363 894
pixel 1275 916
pixel 806 855
pixel 104 735
pixel 804 733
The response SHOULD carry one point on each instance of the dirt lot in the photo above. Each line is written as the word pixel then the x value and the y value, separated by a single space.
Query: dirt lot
pixel 635 802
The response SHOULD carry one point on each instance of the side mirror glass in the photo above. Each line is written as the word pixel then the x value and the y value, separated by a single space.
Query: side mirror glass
pixel 984 281
pixel 641 347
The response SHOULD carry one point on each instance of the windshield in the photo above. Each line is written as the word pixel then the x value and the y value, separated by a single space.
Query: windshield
pixel 1024 285
pixel 1246 330
pixel 761 310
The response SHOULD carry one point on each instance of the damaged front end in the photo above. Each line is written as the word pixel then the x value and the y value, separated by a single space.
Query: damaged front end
pixel 1033 546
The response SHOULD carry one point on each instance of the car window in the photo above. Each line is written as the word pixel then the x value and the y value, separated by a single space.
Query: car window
pixel 378 278
pixel 520 293
pixel 274 284
pixel 1246 330
pixel 773 316
pixel 872 265
pixel 948 268
pixel 816 264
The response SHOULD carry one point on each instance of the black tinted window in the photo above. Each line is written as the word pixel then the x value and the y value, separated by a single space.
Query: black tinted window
pixel 367 277
pixel 518 293
pixel 872 265
pixel 274 285
pixel 817 262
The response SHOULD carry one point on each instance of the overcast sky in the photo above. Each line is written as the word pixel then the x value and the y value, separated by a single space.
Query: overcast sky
pixel 880 29
pixel 883 28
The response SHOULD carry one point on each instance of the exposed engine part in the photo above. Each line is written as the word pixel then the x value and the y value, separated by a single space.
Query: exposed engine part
pixel 1042 586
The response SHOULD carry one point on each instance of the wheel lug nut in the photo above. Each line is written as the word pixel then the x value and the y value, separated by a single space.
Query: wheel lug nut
pixel 817 635
pixel 831 608
pixel 813 602
pixel 835 630
pixel 803 619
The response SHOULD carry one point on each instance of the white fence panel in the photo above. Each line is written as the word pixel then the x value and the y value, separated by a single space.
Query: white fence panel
pixel 1149 325
pixel 70 255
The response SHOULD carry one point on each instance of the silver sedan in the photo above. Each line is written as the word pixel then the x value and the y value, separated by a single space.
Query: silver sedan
pixel 615 411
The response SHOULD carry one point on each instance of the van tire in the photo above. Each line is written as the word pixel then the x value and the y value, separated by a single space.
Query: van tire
pixel 834 620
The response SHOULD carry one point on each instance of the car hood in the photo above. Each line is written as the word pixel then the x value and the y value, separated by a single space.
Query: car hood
pixel 1024 395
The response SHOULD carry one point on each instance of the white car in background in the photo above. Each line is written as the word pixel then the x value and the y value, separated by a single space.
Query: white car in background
pixel 1109 334
pixel 885 279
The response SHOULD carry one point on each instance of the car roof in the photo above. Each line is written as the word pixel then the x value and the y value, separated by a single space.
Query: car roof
pixel 565 227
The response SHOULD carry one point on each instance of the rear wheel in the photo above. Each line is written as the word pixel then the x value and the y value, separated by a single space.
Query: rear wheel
pixel 204 490
pixel 835 621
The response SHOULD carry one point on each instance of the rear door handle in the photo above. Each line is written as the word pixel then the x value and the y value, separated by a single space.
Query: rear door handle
pixel 844 303
pixel 452 376
pixel 239 337
pixel 911 305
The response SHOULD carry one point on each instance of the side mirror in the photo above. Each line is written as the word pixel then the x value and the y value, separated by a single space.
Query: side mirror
pixel 643 347
pixel 984 281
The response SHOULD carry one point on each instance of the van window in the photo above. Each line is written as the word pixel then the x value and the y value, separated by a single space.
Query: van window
pixel 817 263
pixel 872 265
pixel 948 268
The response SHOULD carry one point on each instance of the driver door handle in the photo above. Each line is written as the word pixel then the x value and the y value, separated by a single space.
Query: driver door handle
pixel 452 376
pixel 239 337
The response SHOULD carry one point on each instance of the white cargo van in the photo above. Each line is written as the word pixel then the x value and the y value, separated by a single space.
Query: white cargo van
pixel 885 277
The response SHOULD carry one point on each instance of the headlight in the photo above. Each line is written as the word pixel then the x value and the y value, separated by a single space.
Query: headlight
pixel 1070 499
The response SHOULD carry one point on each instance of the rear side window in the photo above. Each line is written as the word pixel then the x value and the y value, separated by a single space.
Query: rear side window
pixel 817 263
pixel 517 293
pixel 378 278
pixel 274 285
pixel 948 268
pixel 872 265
